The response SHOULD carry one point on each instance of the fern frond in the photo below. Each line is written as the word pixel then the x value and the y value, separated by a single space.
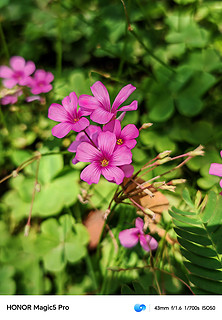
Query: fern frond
pixel 199 232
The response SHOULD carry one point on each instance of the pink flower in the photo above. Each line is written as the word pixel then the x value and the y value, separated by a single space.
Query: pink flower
pixel 99 106
pixel 105 160
pixel 11 98
pixel 19 73
pixel 216 170
pixel 126 136
pixel 92 132
pixel 130 237
pixel 68 115
pixel 41 82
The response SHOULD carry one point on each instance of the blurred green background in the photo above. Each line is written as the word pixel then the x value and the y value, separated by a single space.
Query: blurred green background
pixel 171 51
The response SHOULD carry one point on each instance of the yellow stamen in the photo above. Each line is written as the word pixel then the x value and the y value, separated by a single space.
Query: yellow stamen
pixel 104 163
pixel 119 141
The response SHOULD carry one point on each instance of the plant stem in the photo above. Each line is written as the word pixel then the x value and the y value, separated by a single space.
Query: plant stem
pixel 4 42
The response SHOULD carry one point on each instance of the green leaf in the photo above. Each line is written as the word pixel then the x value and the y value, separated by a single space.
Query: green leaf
pixel 7 284
pixel 203 250
pixel 62 242
pixel 187 198
pixel 49 167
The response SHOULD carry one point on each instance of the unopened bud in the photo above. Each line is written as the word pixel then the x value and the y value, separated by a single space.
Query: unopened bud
pixel 146 223
pixel 177 181
pixel 38 187
pixel 26 231
pixel 168 188
pixel 197 152
pixel 157 184
pixel 150 213
pixel 148 192
pixel 164 154
pixel 121 116
pixel 162 161
pixel 106 213
pixel 14 173
pixel 146 125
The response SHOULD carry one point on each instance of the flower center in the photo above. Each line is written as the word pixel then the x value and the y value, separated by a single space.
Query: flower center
pixel 76 120
pixel 104 163
pixel 119 141
pixel 41 84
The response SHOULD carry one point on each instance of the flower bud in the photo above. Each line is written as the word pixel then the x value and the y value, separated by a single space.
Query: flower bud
pixel 177 181
pixel 26 231
pixel 146 125
pixel 163 160
pixel 168 188
pixel 164 154
pixel 158 184
pixel 197 152
pixel 14 173
pixel 38 187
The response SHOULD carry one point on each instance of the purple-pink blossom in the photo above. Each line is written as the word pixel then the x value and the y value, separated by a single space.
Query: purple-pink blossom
pixel 68 115
pixel 216 170
pixel 41 82
pixel 130 237
pixel 99 106
pixel 18 73
pixel 90 135
pixel 124 137
pixel 104 160
pixel 11 98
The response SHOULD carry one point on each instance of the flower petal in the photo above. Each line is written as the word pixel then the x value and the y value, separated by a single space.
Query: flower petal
pixel 127 170
pixel 9 83
pixel 56 112
pixel 130 132
pixel 17 63
pixel 91 174
pixel 101 94
pixel 49 77
pixel 148 243
pixel 73 146
pixel 139 224
pixel 101 116
pixel 129 237
pixel 113 174
pixel 106 143
pixel 40 74
pixel 5 72
pixel 70 104
pixel 131 107
pixel 87 153
pixel 221 183
pixel 80 125
pixel 124 93
pixel 29 68
pixel 130 143
pixel 121 156
pixel 216 169
pixel 88 102
pixel 61 129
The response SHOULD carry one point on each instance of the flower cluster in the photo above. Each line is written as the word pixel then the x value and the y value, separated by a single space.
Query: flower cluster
pixel 216 170
pixel 18 77
pixel 106 146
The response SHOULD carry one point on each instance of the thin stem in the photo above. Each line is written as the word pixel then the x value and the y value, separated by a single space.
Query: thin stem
pixel 28 224
pixel 4 42
pixel 141 42
pixel 59 47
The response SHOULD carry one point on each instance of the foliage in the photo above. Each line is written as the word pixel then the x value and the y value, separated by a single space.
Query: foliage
pixel 171 52
pixel 199 233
